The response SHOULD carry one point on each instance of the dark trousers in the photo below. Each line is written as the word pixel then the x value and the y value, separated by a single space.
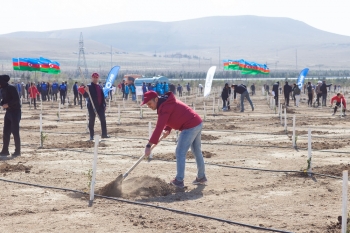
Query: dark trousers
pixel 324 99
pixel 318 98
pixel 80 101
pixel 43 95
pixel 286 99
pixel 11 125
pixel 34 102
pixel 309 102
pixel 123 94
pixel 76 98
pixel 63 97
pixel 276 99
pixel 54 96
pixel 92 117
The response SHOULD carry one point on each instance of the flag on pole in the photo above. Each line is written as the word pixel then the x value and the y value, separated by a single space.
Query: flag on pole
pixel 209 80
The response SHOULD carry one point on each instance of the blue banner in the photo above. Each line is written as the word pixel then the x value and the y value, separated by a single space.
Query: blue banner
pixel 301 78
pixel 110 80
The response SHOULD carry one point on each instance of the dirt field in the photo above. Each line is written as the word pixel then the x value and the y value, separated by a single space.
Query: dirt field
pixel 247 198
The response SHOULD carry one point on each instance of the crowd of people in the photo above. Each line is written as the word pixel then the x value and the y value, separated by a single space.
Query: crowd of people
pixel 316 94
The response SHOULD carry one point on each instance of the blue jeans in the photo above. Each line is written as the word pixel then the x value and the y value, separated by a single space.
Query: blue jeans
pixel 133 96
pixel 189 138
pixel 245 95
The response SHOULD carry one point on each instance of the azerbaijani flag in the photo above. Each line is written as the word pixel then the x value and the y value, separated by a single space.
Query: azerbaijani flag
pixel 15 63
pixel 33 64
pixel 246 67
pixel 231 64
pixel 54 67
pixel 44 65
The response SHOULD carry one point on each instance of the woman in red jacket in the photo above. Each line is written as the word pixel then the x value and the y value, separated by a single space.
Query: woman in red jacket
pixel 174 114
pixel 339 98
pixel 33 92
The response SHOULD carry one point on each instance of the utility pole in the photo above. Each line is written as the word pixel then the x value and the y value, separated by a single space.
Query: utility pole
pixel 82 53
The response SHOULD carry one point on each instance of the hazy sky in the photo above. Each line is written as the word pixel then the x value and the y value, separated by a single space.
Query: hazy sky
pixel 46 15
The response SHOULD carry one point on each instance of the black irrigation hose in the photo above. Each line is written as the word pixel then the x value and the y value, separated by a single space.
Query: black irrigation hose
pixel 212 164
pixel 150 205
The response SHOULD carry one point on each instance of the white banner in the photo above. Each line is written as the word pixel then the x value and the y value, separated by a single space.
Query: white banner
pixel 139 90
pixel 209 80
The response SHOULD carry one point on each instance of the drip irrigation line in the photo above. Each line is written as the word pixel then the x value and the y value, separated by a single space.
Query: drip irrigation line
pixel 149 205
pixel 211 164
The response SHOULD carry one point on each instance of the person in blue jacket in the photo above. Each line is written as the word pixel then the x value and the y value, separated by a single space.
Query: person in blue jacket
pixel 75 92
pixel 133 92
pixel 126 91
pixel 166 87
pixel 63 91
pixel 54 90
pixel 158 88
pixel 150 88
pixel 43 91
pixel 144 89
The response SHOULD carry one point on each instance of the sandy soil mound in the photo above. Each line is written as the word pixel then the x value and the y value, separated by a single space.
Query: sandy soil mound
pixel 117 130
pixel 143 187
pixel 5 167
pixel 208 137
pixel 171 156
pixel 335 227
pixel 333 170
pixel 324 145
pixel 76 144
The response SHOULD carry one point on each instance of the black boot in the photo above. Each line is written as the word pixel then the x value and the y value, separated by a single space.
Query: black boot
pixel 17 153
pixel 4 153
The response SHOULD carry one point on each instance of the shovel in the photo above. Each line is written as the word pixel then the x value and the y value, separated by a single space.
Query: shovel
pixel 114 188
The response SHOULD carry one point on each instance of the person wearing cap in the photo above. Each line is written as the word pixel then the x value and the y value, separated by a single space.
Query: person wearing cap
pixel 96 102
pixel 225 94
pixel 340 100
pixel 33 92
pixel 11 103
pixel 242 89
pixel 174 114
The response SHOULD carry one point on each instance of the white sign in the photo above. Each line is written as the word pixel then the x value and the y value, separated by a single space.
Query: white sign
pixel 209 80
pixel 139 90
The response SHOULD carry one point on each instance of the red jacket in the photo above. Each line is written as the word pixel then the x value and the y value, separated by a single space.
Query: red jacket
pixel 174 114
pixel 339 99
pixel 33 91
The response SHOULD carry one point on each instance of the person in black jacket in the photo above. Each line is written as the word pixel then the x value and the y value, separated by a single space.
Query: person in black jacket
pixel 324 92
pixel 275 90
pixel 99 102
pixel 75 92
pixel 242 89
pixel 11 103
pixel 286 90
pixel 225 94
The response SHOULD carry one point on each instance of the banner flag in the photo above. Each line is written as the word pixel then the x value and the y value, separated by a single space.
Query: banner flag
pixel 110 80
pixel 209 80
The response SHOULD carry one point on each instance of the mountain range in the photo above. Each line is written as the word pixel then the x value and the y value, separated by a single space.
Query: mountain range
pixel 283 43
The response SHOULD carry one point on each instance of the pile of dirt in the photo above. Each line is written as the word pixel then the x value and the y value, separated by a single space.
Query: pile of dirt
pixel 220 126
pixel 299 132
pixel 208 137
pixel 45 127
pixel 76 144
pixel 324 145
pixel 77 119
pixel 143 187
pixel 171 156
pixel 335 227
pixel 117 130
pixel 333 170
pixel 5 167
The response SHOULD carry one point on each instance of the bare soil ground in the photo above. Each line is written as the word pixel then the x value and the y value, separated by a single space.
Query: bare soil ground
pixel 234 145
